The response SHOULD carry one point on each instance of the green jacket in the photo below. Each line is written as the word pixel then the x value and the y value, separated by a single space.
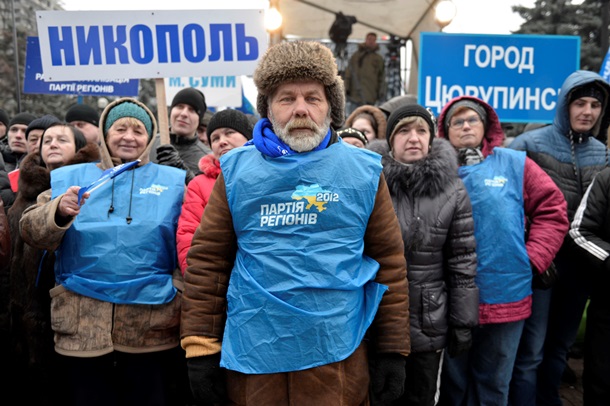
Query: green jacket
pixel 365 76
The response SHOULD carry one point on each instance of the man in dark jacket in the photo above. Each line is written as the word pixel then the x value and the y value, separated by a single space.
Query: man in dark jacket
pixel 12 153
pixel 17 148
pixel 365 75
pixel 298 254
pixel 590 231
pixel 570 154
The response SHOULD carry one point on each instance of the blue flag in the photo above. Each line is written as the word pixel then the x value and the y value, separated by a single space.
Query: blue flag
pixel 106 176
pixel 604 72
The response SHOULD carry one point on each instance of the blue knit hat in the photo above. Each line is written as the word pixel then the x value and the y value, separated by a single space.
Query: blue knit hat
pixel 128 109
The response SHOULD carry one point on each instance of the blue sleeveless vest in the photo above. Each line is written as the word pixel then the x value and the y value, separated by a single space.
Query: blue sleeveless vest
pixel 301 292
pixel 495 188
pixel 101 255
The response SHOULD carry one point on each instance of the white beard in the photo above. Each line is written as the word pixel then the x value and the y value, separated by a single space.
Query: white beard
pixel 301 142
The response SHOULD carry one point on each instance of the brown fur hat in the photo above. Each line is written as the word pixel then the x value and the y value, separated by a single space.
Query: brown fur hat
pixel 298 60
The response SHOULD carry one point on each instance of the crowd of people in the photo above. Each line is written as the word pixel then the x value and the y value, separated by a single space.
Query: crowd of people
pixel 312 254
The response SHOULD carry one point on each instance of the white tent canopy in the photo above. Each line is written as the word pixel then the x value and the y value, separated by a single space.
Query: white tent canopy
pixel 312 19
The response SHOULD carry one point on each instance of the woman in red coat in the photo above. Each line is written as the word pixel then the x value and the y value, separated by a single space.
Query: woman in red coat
pixel 228 129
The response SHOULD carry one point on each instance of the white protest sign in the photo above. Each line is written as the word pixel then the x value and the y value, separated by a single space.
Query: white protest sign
pixel 97 45
pixel 225 91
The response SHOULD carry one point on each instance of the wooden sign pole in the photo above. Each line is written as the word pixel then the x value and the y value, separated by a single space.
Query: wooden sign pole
pixel 162 111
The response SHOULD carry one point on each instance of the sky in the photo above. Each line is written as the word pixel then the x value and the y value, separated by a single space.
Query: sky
pixel 473 16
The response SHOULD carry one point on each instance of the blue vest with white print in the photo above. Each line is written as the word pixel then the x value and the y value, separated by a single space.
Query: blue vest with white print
pixel 102 255
pixel 301 292
pixel 495 188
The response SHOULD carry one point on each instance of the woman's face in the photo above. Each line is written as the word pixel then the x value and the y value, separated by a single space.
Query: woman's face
pixel 365 126
pixel 58 147
pixel 225 139
pixel 126 140
pixel 411 142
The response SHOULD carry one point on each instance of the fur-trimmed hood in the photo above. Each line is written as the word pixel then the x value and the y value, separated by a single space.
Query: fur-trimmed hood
pixel 209 166
pixel 576 80
pixel 106 160
pixel 377 114
pixel 427 177
pixel 494 135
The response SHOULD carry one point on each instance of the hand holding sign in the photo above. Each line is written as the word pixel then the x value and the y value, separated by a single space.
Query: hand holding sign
pixel 107 175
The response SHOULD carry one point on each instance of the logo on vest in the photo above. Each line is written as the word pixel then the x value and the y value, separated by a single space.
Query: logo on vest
pixel 153 190
pixel 497 181
pixel 307 202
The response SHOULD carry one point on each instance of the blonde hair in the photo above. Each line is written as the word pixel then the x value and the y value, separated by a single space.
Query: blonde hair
pixel 417 120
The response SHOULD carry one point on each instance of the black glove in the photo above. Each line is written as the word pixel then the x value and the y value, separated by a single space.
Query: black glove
pixel 546 279
pixel 168 155
pixel 388 377
pixel 460 341
pixel 207 379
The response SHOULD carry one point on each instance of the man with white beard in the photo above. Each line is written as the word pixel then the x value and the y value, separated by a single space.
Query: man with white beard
pixel 298 255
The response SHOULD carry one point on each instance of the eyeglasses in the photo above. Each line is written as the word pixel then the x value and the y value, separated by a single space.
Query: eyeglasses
pixel 459 123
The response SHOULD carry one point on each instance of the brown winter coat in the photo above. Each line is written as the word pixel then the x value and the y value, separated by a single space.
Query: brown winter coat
pixel 210 261
pixel 87 327
pixel 31 279
pixel 30 301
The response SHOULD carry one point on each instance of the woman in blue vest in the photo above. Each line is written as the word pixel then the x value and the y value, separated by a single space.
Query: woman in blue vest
pixel 115 308
pixel 510 194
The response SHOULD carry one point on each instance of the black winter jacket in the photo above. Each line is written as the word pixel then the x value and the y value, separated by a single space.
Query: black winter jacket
pixel 435 217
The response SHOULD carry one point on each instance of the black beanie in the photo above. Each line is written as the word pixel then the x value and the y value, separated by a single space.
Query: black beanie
pixel 588 90
pixel 22 118
pixel 4 118
pixel 229 118
pixel 205 119
pixel 83 112
pixel 406 111
pixel 41 123
pixel 193 98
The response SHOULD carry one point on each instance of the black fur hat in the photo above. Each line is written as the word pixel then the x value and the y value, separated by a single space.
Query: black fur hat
pixel 299 60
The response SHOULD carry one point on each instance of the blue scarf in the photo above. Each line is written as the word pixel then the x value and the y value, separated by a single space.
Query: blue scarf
pixel 267 143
